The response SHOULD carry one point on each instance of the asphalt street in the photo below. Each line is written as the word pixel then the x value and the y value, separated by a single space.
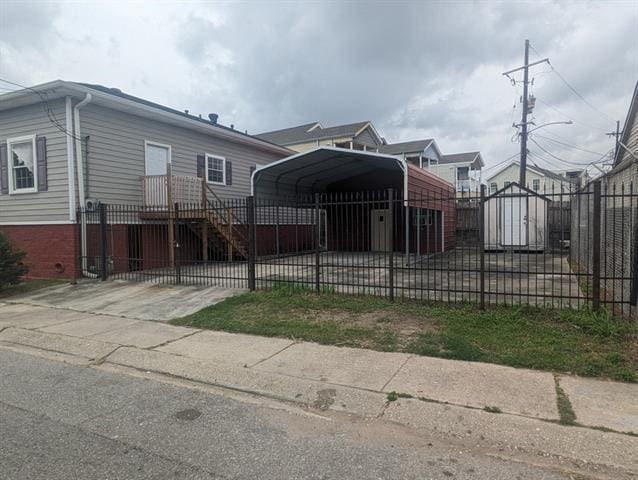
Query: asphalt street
pixel 61 421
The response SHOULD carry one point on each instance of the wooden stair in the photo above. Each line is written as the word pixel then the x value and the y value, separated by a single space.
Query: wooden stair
pixel 228 232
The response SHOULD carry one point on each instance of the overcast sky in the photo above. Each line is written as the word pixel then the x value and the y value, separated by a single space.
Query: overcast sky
pixel 416 69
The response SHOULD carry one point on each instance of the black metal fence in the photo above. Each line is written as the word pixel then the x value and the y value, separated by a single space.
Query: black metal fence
pixel 557 249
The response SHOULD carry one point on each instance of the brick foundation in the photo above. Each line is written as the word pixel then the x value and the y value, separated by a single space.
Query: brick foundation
pixel 52 250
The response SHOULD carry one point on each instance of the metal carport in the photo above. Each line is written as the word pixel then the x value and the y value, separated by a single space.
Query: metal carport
pixel 328 170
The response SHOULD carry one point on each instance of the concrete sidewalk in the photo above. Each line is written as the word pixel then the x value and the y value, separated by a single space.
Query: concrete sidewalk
pixel 447 395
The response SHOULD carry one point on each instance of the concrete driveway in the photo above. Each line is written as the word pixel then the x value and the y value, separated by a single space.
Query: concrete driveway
pixel 140 301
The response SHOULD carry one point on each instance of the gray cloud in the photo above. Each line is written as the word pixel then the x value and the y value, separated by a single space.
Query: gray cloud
pixel 414 69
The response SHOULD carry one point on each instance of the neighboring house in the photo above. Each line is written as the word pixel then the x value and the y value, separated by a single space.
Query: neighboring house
pixel 464 170
pixel 422 153
pixel 355 136
pixel 63 144
pixel 539 180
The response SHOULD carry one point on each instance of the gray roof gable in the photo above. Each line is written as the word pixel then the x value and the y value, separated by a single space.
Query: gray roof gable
pixel 466 157
pixel 414 146
pixel 306 133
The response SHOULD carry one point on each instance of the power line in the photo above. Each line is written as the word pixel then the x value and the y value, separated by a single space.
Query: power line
pixel 568 145
pixel 562 159
pixel 569 117
pixel 572 88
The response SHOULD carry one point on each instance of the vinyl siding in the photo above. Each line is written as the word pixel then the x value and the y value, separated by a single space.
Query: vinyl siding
pixel 368 139
pixel 40 207
pixel 116 154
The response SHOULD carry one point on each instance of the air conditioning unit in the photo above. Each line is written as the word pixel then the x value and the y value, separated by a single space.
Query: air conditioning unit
pixel 92 205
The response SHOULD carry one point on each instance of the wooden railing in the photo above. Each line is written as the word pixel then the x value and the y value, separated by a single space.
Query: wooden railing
pixel 158 192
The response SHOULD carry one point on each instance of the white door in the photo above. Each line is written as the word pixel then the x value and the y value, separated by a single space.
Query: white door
pixel 380 230
pixel 157 158
pixel 513 221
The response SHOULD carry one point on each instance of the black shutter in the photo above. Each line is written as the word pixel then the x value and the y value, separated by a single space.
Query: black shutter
pixel 41 163
pixel 4 169
pixel 229 173
pixel 201 167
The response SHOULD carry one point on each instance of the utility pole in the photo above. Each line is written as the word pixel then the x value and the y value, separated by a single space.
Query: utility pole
pixel 524 122
pixel 616 134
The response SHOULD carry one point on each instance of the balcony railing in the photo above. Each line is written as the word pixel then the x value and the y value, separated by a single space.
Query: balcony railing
pixel 467 185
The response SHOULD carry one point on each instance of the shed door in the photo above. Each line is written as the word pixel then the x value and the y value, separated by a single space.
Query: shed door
pixel 514 221
pixel 380 230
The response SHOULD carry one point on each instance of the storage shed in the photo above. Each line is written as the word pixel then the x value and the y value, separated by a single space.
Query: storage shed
pixel 422 210
pixel 515 218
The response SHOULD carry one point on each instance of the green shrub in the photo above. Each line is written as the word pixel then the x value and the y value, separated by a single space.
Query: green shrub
pixel 11 267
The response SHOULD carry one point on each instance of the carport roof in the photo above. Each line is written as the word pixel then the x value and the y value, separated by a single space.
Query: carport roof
pixel 313 171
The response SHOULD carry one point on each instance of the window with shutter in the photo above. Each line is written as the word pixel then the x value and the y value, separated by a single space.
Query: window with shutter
pixel 215 169
pixel 22 166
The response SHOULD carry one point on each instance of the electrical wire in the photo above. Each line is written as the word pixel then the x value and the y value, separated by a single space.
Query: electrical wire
pixel 580 122
pixel 568 145
pixel 580 164
pixel 572 88
pixel 47 107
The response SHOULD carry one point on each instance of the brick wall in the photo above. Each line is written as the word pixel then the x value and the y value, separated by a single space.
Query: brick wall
pixel 52 250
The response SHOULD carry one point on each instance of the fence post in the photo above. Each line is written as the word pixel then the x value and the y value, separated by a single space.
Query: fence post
pixel 596 247
pixel 391 242
pixel 317 245
pixel 482 246
pixel 176 254
pixel 103 242
pixel 250 211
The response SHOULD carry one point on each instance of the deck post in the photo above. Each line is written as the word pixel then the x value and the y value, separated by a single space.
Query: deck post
pixel 596 248
pixel 204 225
pixel 481 226
pixel 171 222
pixel 250 210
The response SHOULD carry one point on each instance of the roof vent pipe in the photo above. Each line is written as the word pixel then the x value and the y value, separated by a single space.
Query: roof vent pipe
pixel 213 118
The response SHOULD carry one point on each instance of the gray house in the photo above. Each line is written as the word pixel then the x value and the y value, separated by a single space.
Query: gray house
pixel 64 145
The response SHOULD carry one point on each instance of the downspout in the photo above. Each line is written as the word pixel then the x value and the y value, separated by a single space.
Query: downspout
pixel 80 171
pixel 70 165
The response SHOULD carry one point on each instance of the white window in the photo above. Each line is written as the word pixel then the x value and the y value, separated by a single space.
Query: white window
pixel 536 184
pixel 493 187
pixel 506 184
pixel 158 156
pixel 23 172
pixel 215 169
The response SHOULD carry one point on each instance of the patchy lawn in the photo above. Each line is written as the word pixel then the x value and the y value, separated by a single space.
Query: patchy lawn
pixel 29 286
pixel 570 341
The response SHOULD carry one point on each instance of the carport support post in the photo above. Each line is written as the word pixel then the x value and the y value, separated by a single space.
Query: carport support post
pixel 317 244
pixel 250 211
pixel 482 247
pixel 391 242
pixel 596 249
pixel 103 242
